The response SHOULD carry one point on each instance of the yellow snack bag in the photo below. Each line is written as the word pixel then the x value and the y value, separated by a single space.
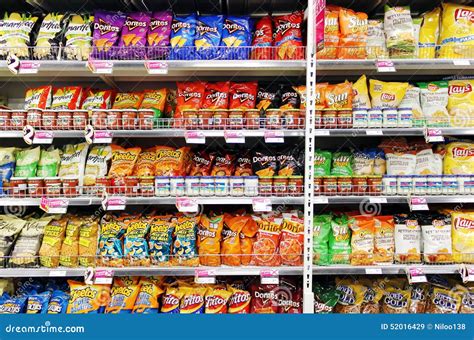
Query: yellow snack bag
pixel 86 298
pixel 123 296
pixel 461 102
pixel 459 158
pixel 456 38
pixel 429 34
pixel 360 99
pixel 386 95
pixel 463 236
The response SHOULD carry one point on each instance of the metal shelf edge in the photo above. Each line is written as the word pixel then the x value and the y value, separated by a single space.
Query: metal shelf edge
pixel 380 270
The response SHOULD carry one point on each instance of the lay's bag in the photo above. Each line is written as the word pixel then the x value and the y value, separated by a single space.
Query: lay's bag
pixel 183 33
pixel 463 236
pixel 461 102
pixel 456 38
pixel 386 95
pixel 429 34
pixel 459 159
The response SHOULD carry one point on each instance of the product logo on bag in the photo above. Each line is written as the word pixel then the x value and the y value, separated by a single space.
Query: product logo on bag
pixel 156 23
pixel 223 160
pixel 190 95
pixel 433 87
pixel 215 96
pixel 170 301
pixel 124 291
pixel 124 156
pixel 463 223
pixel 206 233
pixel 239 299
pixel 159 231
pixel 285 25
pixel 340 99
pixel 459 89
pixel 75 28
pixel 243 96
pixel 174 154
pixel 176 26
pixel 228 233
pixel 259 33
pixel 348 296
pixel 396 300
pixel 464 13
pixel 201 160
pixel 463 152
pixel 262 95
pixel 83 293
pixel 232 26
pixel 445 301
pixel 192 302
pixel 132 24
pixel 215 301
pixel 202 28
pixel 50 26
pixel 263 160
pixel 104 27
pixel 387 97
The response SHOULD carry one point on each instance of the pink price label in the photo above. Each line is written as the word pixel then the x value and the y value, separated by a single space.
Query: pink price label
pixel 262 204
pixel 195 137
pixel 103 276
pixel 205 273
pixel 416 275
pixel 29 67
pixel 385 66
pixel 156 67
pixel 418 200
pixel 418 204
pixel 269 277
pixel 114 203
pixel 43 137
pixel 100 66
pixel 187 205
pixel 234 137
pixel 102 136
pixel 434 135
pixel 54 205
pixel 274 136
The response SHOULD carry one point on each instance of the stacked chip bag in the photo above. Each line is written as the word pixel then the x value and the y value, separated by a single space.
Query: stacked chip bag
pixel 78 37
pixel 183 33
pixel 15 34
pixel 263 39
pixel 49 36
pixel 107 27
pixel 354 27
pixel 288 36
pixel 236 36
pixel 190 97
pixel 208 36
pixel 158 37
pixel 133 37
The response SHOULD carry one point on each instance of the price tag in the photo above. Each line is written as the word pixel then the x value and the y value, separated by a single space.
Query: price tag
pixel 433 135
pixel 156 67
pixel 234 137
pixel 373 271
pixel 274 136
pixel 467 273
pixel 378 200
pixel 195 137
pixel 418 204
pixel 104 276
pixel 370 132
pixel 43 137
pixel 204 276
pixel 100 66
pixel 385 66
pixel 54 205
pixel 28 67
pixel 416 275
pixel 113 203
pixel 188 205
pixel 269 277
pixel 461 62
pixel 320 200
pixel 261 204
pixel 320 132
pixel 57 273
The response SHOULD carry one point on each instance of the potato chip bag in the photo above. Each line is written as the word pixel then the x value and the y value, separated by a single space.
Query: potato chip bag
pixel 322 163
pixel 376 47
pixel 192 301
pixel 27 162
pixel 339 96
pixel 429 34
pixel 78 36
pixel 384 246
pixel 49 34
pixel 183 33
pixel 353 40
pixel 436 236
pixel 209 239
pixel 39 97
pixel 459 158
pixel 419 294
pixel 243 96
pixel 372 296
pixel 288 36
pixel 467 303
pixel 107 27
pixel 184 246
pixel 216 300
pixel 321 95
pixel 159 241
pixel 434 100
pixel 292 240
pixel 123 160
pixel 88 235
pixel 135 245
pixel 331 35
pixel 396 301
pixel 110 249
pixel 170 162
pixel 463 236
pixel 122 297
pixel 171 300
pixel 154 99
pixel 339 241
pixel 407 239
pixel 386 95
pixel 133 36
pixel 208 36
pixel 360 99
pixel 147 298
pixel 444 301
pixel 461 102
pixel 128 100
pixel 98 99
pixel 87 299
pixel 246 249
pixel 411 100
pixel 146 163
pixel 158 36
pixel 70 247
pixel 263 39
pixel 362 240
pixel 67 98
pixel 230 244
pixel 235 33
pixel 321 231
pixel 342 163
pixel 239 302
pixel 266 246
pixel 53 238
pixel 73 161
pixel 96 164
pixel 16 30
pixel 351 296
pixel 456 38
pixel 399 32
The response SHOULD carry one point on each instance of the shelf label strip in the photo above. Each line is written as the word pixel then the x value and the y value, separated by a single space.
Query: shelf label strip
pixel 103 276
pixel 54 205
pixel 385 66
pixel 418 204
pixel 261 205
pixel 433 135
pixel 269 277
pixel 100 66
pixel 274 136
pixel 205 276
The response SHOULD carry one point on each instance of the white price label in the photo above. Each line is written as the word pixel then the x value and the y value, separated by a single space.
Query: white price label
pixel 204 276
pixel 187 205
pixel 370 132
pixel 373 271
pixel 418 204
pixel 320 132
pixel 104 276
pixel 461 62
pixel 114 203
pixel 467 273
pixel 385 66
pixel 100 66
pixel 269 277
pixel 54 205
pixel 262 205
pixel 274 136
pixel 156 67
pixel 434 135
pixel 416 275
pixel 320 200
pixel 57 273
pixel 234 137
pixel 195 137
pixel 377 200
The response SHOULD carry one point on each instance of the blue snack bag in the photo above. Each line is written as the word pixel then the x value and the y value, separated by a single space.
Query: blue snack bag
pixel 12 305
pixel 38 303
pixel 208 36
pixel 183 33
pixel 58 302
pixel 236 38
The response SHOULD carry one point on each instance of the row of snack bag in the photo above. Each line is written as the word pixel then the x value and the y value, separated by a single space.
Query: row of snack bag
pixel 443 237
pixel 438 102
pixel 393 295
pixel 142 35
pixel 445 32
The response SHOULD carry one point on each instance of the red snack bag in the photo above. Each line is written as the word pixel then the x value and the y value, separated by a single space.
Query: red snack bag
pixel 189 97
pixel 216 96
pixel 243 96
pixel 216 300
pixel 289 297
pixel 97 99
pixel 202 163
pixel 263 39
pixel 239 302
pixel 264 299
pixel 266 247
pixel 288 36
pixel 38 98
pixel 292 240
pixel 224 166
pixel 67 98
pixel 244 165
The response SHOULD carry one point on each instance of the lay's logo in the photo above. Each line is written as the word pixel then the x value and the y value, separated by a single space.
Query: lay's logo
pixel 463 223
pixel 464 13
pixel 459 89
pixel 387 97
pixel 463 152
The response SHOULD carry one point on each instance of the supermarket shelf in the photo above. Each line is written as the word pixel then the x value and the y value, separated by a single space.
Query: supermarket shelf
pixel 391 199
pixel 86 201
pixel 402 66
pixel 388 132
pixel 146 271
pixel 393 269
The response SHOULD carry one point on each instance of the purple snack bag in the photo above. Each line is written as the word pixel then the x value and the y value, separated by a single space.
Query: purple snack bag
pixel 133 37
pixel 107 27
pixel 159 34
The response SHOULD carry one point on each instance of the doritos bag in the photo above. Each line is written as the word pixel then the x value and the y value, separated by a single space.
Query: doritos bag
pixel 183 33
pixel 290 99
pixel 208 36
pixel 243 95
pixel 292 240
pixel 263 39
pixel 202 163
pixel 230 245
pixel 216 96
pixel 264 299
pixel 288 36
pixel 264 164
pixel 268 98
pixel 158 36
pixel 190 97
pixel 266 247
pixel 244 165
pixel 224 165
pixel 236 37
pixel 209 238
pixel 133 36
pixel 107 27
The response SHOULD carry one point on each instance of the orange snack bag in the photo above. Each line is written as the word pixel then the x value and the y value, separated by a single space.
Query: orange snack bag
pixel 171 162
pixel 339 96
pixel 145 165
pixel 247 239
pixel 321 95
pixel 331 34
pixel 354 28
pixel 123 160
pixel 362 241
pixel 292 240
pixel 384 245
pixel 123 296
pixel 130 100
pixel 154 99
pixel 209 240
pixel 239 302
pixel 230 245
pixel 86 298
pixel 265 248
pixel 192 301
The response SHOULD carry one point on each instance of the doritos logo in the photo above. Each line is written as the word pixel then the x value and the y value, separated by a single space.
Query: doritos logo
pixel 105 27
pixel 285 25
pixel 178 25
pixel 266 95
pixel 243 96
pixel 190 95
pixel 202 29
pixel 132 24
pixel 259 33
pixel 215 96
pixel 459 89
pixel 232 27
pixel 464 13
pixel 154 24
pixel 463 152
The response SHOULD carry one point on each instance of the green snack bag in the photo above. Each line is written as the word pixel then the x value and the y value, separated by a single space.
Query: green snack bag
pixel 325 298
pixel 48 164
pixel 342 164
pixel 339 241
pixel 27 162
pixel 321 231
pixel 322 163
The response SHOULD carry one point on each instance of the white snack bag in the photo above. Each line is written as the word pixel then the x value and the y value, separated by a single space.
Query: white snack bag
pixel 407 241
pixel 411 100
pixel 73 161
pixel 437 242
pixel 376 48
pixel 400 163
